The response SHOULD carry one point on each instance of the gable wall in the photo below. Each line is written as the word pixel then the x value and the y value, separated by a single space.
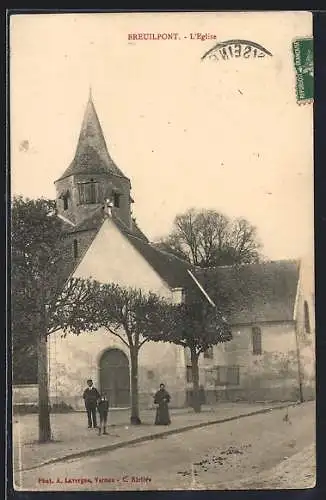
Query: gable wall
pixel 306 340
pixel 112 258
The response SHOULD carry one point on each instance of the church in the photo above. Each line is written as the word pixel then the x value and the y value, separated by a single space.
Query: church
pixel 271 356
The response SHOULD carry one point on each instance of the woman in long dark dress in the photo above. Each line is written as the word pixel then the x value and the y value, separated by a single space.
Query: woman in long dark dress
pixel 162 399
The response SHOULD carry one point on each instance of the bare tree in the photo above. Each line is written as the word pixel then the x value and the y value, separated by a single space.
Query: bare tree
pixel 197 326
pixel 207 238
pixel 134 317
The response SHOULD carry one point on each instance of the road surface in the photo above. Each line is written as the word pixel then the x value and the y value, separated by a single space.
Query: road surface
pixel 251 452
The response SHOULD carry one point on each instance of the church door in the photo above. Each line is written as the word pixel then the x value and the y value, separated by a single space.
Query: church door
pixel 115 377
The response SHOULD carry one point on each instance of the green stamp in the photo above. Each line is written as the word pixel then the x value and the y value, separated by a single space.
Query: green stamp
pixel 303 54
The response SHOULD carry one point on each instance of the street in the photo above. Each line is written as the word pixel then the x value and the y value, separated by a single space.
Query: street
pixel 232 455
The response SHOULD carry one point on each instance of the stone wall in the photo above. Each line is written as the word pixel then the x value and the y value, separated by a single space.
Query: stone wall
pixel 77 212
pixel 269 376
pixel 74 359
pixel 24 394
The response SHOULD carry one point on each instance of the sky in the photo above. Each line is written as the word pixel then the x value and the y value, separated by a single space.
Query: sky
pixel 224 135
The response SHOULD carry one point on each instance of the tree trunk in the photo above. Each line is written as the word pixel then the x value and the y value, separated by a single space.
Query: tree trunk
pixel 134 418
pixel 196 403
pixel 43 395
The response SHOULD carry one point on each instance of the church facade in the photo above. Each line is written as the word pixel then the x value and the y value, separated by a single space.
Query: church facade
pixel 271 356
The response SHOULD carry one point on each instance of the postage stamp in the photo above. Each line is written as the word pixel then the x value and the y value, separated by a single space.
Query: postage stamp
pixel 304 67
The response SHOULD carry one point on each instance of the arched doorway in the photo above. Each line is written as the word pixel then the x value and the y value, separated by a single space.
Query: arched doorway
pixel 115 377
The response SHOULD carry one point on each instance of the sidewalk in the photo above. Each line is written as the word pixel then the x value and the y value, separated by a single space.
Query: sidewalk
pixel 72 439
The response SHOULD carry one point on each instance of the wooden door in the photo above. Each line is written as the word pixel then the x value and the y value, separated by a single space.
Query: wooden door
pixel 115 378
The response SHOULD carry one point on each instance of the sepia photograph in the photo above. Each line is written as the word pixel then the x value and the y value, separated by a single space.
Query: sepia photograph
pixel 162 251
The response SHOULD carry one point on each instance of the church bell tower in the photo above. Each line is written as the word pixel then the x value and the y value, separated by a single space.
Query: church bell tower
pixel 92 178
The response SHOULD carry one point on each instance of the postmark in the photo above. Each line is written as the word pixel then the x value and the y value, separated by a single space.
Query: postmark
pixel 233 49
pixel 303 57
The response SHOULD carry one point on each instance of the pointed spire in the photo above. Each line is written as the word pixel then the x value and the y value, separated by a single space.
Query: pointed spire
pixel 91 155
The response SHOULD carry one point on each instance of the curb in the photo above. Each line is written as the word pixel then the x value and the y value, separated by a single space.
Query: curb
pixel 151 437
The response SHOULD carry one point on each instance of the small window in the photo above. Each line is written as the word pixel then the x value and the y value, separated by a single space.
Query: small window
pixel 150 374
pixel 227 375
pixel 116 200
pixel 256 340
pixel 221 375
pixel 75 249
pixel 306 317
pixel 209 354
pixel 233 375
pixel 189 374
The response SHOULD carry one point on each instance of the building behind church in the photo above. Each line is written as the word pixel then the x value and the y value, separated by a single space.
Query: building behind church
pixel 272 353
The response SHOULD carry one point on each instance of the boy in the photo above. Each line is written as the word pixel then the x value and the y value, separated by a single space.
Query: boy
pixel 103 408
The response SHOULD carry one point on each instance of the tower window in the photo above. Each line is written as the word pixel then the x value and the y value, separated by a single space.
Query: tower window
pixel 116 199
pixel 88 192
pixel 306 317
pixel 64 197
pixel 75 249
pixel 65 202
pixel 256 340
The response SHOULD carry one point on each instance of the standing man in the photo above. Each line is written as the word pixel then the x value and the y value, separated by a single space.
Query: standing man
pixel 91 396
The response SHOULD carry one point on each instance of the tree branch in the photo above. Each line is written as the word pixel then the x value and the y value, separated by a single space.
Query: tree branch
pixel 142 343
pixel 117 335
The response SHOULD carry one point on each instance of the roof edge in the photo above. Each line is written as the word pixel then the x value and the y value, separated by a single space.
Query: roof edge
pixel 109 174
pixel 230 266
pixel 81 257
pixel 137 250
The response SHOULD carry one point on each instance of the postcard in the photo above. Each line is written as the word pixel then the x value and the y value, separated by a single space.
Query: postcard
pixel 162 251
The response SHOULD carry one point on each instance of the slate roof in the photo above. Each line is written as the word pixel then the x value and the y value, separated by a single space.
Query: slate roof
pixel 96 218
pixel 171 269
pixel 92 156
pixel 248 294
pixel 260 292
pixel 93 221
